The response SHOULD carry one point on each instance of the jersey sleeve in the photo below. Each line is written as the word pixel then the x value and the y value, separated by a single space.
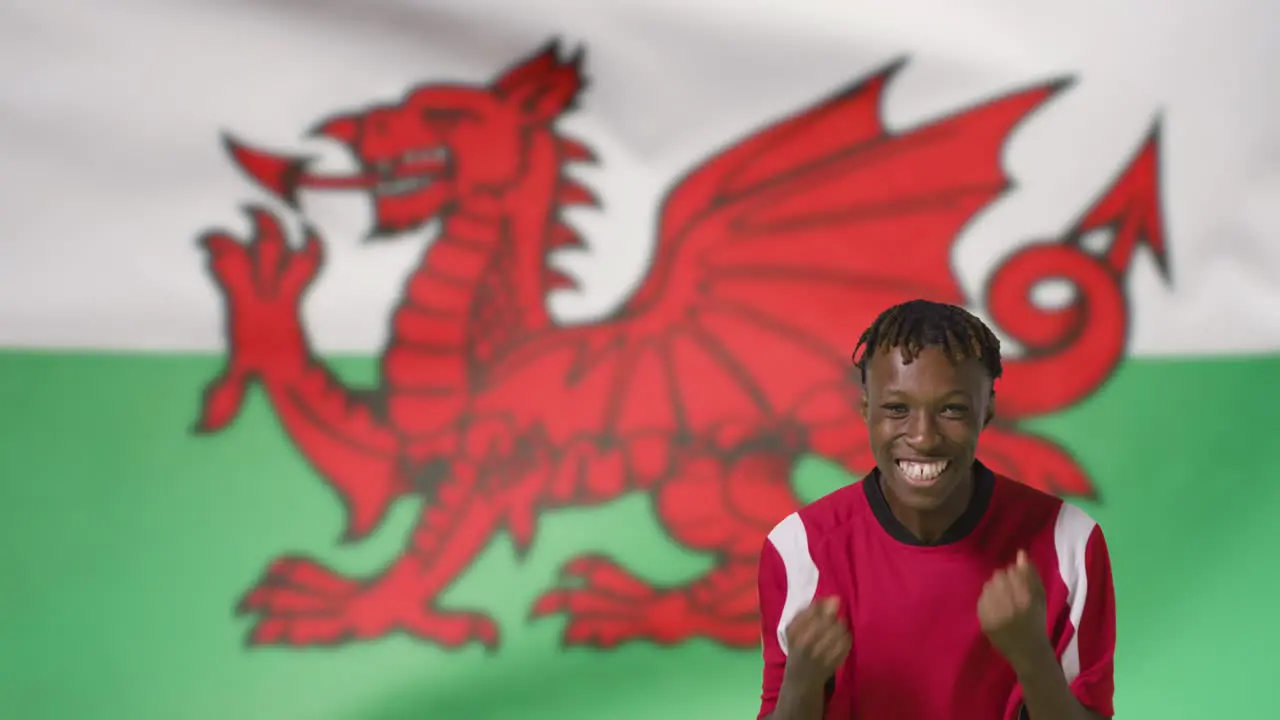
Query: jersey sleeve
pixel 772 588
pixel 1094 685
pixel 787 583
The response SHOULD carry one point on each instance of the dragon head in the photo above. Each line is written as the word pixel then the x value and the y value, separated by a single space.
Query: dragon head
pixel 441 147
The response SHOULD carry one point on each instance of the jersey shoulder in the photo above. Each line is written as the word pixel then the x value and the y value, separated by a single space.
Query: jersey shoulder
pixel 1036 511
pixel 1014 496
pixel 827 515
pixel 1017 498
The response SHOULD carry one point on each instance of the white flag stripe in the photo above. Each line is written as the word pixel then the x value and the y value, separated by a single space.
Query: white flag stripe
pixel 111 161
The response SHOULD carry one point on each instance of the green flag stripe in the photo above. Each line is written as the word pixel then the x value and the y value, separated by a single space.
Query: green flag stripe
pixel 128 542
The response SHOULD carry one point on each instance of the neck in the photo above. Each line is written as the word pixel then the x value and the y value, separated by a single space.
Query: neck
pixel 928 526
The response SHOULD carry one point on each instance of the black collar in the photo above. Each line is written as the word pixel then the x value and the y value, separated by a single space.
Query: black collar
pixel 984 482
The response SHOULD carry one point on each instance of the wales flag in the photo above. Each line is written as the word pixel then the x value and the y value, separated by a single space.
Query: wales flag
pixel 398 360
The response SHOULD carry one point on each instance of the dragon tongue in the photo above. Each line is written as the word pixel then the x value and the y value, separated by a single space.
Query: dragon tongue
pixel 279 174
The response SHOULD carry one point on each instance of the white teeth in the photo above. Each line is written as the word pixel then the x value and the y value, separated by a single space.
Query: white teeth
pixel 401 186
pixel 405 185
pixel 922 471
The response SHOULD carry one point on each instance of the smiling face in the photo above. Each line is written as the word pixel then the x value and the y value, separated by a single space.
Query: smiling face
pixel 924 418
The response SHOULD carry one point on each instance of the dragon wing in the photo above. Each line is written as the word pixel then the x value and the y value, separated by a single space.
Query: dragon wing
pixel 772 257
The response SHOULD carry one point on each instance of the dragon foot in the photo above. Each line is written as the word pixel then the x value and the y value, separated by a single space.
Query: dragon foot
pixel 609 606
pixel 300 602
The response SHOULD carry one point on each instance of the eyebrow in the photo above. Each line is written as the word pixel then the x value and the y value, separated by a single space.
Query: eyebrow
pixel 899 392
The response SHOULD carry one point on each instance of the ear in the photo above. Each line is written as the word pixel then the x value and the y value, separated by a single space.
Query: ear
pixel 542 87
pixel 991 410
pixel 863 408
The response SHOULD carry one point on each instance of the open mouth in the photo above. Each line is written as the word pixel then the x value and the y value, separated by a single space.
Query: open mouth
pixel 401 186
pixel 408 173
pixel 922 473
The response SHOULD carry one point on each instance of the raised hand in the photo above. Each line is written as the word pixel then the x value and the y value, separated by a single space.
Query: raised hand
pixel 817 644
pixel 1011 611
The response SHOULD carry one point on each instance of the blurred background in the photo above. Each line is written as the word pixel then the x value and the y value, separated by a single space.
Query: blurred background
pixel 129 539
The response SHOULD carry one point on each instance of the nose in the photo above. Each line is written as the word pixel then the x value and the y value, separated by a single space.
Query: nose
pixel 922 432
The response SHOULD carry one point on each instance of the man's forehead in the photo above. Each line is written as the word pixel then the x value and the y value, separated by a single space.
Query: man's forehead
pixel 931 364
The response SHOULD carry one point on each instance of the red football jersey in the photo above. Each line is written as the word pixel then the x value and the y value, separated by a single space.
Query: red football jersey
pixel 918 651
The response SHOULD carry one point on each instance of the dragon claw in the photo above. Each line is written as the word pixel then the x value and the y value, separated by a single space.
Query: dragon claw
pixel 222 400
pixel 301 602
pixel 602 572
pixel 261 280
pixel 262 271
pixel 607 605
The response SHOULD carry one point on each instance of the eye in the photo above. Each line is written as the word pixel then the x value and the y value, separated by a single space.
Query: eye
pixel 955 410
pixel 894 409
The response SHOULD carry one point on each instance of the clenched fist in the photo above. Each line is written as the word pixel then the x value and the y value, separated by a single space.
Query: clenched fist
pixel 817 644
pixel 1011 611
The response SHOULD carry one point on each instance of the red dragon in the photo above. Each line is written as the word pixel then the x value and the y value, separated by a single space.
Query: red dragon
pixel 729 363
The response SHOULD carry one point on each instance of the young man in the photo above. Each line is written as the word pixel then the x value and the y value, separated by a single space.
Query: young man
pixel 934 589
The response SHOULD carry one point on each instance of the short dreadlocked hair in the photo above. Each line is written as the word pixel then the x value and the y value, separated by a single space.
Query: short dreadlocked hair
pixel 915 325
